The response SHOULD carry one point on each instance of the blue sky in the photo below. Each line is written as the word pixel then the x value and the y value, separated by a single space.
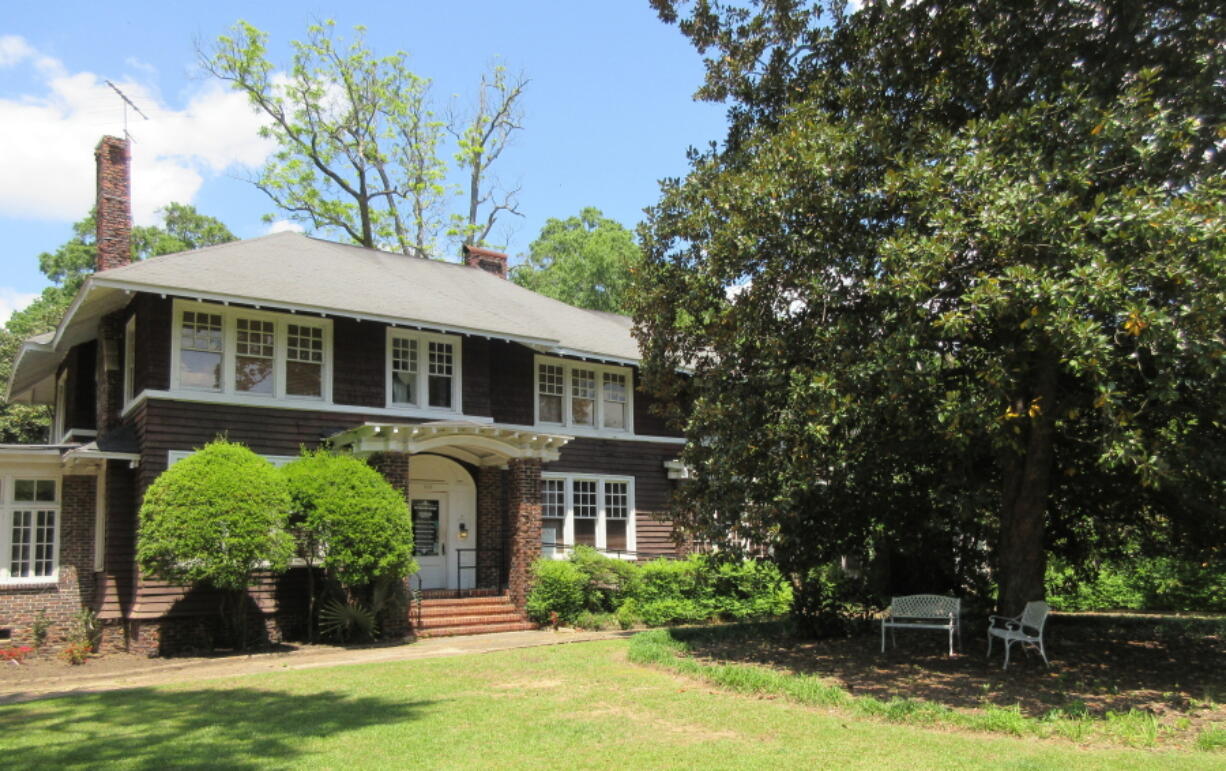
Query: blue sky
pixel 608 110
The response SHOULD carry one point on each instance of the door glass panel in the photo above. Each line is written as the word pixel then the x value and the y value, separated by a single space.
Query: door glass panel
pixel 425 527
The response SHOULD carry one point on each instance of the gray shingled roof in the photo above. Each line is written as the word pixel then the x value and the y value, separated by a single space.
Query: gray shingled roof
pixel 296 271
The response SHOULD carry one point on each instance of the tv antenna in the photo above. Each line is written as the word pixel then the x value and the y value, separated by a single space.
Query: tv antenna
pixel 126 104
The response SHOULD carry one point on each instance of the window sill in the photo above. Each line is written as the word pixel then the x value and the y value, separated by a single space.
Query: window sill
pixel 28 583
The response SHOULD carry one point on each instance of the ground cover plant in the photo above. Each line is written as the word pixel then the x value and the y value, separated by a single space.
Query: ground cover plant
pixel 581 705
pixel 1131 681
pixel 594 591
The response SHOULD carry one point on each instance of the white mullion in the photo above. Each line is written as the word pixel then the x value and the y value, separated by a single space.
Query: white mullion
pixel 280 358
pixel 602 541
pixel 568 523
pixel 229 358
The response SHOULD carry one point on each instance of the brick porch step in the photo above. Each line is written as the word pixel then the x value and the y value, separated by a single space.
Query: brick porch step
pixel 482 614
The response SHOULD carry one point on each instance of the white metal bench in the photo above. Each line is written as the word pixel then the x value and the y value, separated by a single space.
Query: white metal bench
pixel 924 611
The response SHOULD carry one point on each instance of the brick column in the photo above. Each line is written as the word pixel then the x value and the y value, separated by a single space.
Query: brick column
pixel 490 532
pixel 394 466
pixel 523 524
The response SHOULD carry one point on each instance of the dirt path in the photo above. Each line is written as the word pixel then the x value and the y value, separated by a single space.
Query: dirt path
pixel 44 682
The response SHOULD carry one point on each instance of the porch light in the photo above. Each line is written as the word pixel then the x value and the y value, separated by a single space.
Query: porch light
pixel 463 530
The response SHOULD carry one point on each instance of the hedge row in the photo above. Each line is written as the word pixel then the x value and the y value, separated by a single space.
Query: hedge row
pixel 588 588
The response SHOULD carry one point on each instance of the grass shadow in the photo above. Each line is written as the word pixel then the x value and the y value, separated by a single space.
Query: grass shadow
pixel 199 728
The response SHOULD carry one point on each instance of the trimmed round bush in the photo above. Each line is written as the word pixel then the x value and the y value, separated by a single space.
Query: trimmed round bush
pixel 348 519
pixel 557 587
pixel 214 518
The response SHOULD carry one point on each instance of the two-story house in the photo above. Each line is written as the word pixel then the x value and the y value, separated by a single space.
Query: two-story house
pixel 509 420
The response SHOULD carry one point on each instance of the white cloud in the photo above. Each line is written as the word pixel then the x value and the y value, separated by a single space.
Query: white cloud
pixel 285 226
pixel 14 50
pixel 11 300
pixel 47 140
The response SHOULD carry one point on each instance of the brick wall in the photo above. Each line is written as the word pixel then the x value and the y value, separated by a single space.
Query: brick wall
pixel 59 602
pixel 524 525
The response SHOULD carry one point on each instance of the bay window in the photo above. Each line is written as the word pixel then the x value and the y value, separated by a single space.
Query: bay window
pixel 249 353
pixel 29 529
pixel 423 371
pixel 575 394
pixel 585 510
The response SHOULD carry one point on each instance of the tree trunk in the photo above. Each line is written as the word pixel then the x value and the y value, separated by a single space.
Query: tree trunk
pixel 1027 480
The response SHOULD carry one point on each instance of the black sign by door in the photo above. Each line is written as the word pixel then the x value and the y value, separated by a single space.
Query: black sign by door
pixel 425 527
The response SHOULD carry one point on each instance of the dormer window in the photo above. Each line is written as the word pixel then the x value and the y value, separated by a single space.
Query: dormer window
pixel 251 354
pixel 581 395
pixel 423 371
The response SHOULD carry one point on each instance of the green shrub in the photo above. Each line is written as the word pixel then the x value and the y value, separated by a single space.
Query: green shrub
pixel 214 518
pixel 348 519
pixel 609 580
pixel 1140 583
pixel 749 589
pixel 628 614
pixel 673 611
pixel 596 621
pixel 557 587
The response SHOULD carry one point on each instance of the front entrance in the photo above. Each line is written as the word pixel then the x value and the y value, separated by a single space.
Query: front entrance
pixel 430 538
pixel 443 506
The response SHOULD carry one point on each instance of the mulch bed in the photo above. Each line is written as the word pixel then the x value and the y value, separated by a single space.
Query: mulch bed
pixel 1175 671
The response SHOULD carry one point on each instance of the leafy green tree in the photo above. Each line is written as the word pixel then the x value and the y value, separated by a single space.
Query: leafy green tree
pixel 67 267
pixel 358 142
pixel 214 519
pixel 348 520
pixel 586 261
pixel 979 259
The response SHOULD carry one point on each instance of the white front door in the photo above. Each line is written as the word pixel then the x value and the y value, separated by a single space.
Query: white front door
pixel 430 529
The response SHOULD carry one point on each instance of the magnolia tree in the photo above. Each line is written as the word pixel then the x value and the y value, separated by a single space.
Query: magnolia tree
pixel 979 261
pixel 349 521
pixel 213 520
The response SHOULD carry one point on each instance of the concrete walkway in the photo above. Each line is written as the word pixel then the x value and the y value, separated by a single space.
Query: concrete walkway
pixel 161 672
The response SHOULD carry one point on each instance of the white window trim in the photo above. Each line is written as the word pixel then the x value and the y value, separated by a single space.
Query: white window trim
pixel 174 456
pixel 423 346
pixel 8 506
pixel 129 360
pixel 581 429
pixel 229 327
pixel 59 424
pixel 568 528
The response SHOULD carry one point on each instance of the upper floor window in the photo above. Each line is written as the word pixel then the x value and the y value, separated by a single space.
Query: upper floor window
pixel 423 370
pixel 577 394
pixel 245 352
pixel 29 529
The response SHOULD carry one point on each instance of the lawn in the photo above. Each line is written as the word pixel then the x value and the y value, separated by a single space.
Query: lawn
pixel 579 705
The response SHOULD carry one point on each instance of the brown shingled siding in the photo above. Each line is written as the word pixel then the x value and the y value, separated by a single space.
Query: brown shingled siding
pixel 359 371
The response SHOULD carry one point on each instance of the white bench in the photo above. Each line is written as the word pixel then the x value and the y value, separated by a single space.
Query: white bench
pixel 924 611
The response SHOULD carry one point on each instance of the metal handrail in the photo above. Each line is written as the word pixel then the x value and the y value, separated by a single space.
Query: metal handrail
pixel 460 567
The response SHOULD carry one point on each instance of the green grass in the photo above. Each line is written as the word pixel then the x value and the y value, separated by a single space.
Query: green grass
pixel 1134 728
pixel 579 705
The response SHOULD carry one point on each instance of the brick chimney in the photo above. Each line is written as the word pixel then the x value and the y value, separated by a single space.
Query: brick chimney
pixel 486 259
pixel 114 204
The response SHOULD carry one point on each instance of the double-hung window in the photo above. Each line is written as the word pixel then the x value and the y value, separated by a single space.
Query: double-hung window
pixel 586 510
pixel 581 395
pixel 29 529
pixel 423 371
pixel 251 354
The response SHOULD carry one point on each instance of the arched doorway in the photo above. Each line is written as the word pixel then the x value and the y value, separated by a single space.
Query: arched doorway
pixel 443 504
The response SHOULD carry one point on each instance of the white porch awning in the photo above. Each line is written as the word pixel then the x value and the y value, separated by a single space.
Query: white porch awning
pixel 476 443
